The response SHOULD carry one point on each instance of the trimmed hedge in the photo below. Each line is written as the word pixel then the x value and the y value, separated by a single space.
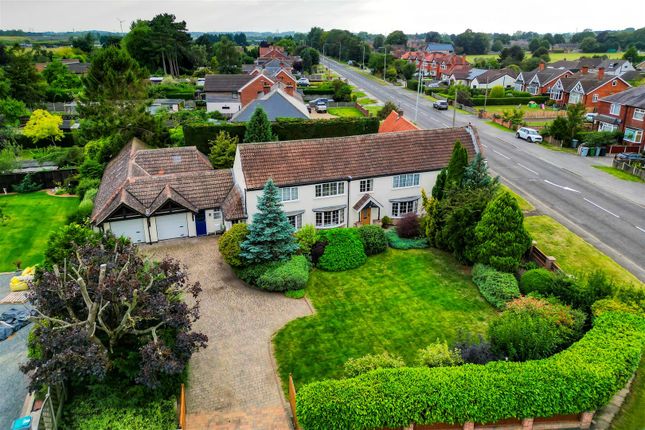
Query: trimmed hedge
pixel 357 366
pixel 496 287
pixel 286 129
pixel 344 250
pixel 318 91
pixel 229 244
pixel 289 275
pixel 373 238
pixel 582 378
pixel 396 242
pixel 479 101
pixel 537 280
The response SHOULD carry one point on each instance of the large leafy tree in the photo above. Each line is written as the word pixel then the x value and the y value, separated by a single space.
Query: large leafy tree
pixel 396 37
pixel 10 112
pixel 63 85
pixel 26 84
pixel 270 235
pixel 43 125
pixel 258 129
pixel 106 311
pixel 229 58
pixel 501 237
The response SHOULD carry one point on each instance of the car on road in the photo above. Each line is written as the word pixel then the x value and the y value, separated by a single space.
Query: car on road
pixel 440 105
pixel 528 134
pixel 630 156
pixel 591 116
pixel 320 101
pixel 303 82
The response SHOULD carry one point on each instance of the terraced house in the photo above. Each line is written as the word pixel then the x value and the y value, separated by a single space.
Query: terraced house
pixel 587 88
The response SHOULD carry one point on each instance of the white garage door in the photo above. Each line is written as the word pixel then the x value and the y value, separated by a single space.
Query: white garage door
pixel 130 228
pixel 171 226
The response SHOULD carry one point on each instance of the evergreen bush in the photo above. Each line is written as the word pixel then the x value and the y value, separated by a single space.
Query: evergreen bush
pixel 27 185
pixel 306 237
pixel 496 287
pixel 369 362
pixel 373 238
pixel 229 244
pixel 344 250
pixel 537 281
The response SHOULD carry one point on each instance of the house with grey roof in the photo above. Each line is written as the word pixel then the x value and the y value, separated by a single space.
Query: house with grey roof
pixel 228 94
pixel 540 80
pixel 276 104
pixel 447 48
pixel 495 78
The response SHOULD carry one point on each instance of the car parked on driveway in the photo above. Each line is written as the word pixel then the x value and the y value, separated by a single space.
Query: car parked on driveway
pixel 303 82
pixel 321 108
pixel 320 101
pixel 630 156
pixel 528 134
pixel 440 105
pixel 590 116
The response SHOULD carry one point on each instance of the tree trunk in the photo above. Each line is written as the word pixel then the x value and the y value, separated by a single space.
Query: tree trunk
pixel 163 61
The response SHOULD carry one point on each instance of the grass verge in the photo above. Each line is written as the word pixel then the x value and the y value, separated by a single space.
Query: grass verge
pixel 620 174
pixel 632 414
pixel 524 205
pixel 345 112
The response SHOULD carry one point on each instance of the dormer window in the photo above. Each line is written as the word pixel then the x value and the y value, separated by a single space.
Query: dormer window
pixel 614 83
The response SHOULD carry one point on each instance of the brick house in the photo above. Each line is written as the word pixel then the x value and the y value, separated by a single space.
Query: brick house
pixel 278 75
pixel 540 80
pixel 438 65
pixel 624 111
pixel 228 94
pixel 586 88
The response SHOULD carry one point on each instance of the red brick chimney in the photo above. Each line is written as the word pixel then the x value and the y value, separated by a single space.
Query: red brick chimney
pixel 601 73
pixel 585 70
pixel 541 66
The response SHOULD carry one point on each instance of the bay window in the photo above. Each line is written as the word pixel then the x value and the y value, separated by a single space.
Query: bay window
pixel 333 218
pixel 401 208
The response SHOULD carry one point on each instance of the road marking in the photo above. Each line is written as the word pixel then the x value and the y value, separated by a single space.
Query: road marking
pixel 484 145
pixel 496 152
pixel 560 186
pixel 524 167
pixel 600 207
pixel 641 229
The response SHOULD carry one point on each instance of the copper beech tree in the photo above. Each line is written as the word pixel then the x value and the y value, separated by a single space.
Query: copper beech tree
pixel 106 309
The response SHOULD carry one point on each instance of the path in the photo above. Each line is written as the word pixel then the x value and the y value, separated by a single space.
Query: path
pixel 232 383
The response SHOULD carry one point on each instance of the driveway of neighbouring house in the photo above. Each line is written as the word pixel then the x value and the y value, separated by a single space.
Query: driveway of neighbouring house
pixel 232 384
pixel 13 353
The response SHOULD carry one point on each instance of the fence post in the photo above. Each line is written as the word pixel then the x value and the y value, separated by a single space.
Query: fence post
pixel 182 408
pixel 292 402
pixel 550 262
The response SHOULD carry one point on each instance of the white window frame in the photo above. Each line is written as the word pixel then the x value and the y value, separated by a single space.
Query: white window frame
pixel 575 98
pixel 400 209
pixel 594 98
pixel 333 189
pixel 330 219
pixel 611 109
pixel 556 94
pixel 406 179
pixel 297 221
pixel 614 83
pixel 533 89
pixel 289 194
pixel 366 185
pixel 639 114
pixel 638 135
pixel 606 127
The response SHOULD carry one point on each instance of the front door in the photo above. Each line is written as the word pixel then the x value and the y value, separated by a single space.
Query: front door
pixel 200 223
pixel 366 216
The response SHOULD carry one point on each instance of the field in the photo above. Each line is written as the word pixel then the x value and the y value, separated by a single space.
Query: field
pixel 554 56
pixel 30 218
pixel 399 302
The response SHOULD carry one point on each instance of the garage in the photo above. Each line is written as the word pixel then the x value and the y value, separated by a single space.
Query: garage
pixel 172 226
pixel 130 228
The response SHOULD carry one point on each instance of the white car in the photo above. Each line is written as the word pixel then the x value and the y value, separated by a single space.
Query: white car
pixel 303 82
pixel 528 134
pixel 321 108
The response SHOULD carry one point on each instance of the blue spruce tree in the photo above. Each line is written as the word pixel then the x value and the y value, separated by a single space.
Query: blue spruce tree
pixel 270 235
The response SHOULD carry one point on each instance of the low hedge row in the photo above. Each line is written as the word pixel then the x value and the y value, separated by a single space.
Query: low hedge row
pixel 501 101
pixel 199 134
pixel 320 90
pixel 396 242
pixel 582 378
pixel 496 287
pixel 289 275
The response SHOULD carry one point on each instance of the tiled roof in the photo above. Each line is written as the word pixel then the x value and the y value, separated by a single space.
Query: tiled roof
pixel 395 122
pixel 631 97
pixel 363 156
pixel 233 206
pixel 494 74
pixel 226 83
pixel 276 104
pixel 144 179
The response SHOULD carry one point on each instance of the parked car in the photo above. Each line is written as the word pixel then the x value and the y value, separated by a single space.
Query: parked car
pixel 590 116
pixel 321 108
pixel 303 82
pixel 440 105
pixel 528 134
pixel 630 156
pixel 320 101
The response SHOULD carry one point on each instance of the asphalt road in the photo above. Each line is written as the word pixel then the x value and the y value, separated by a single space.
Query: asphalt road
pixel 606 213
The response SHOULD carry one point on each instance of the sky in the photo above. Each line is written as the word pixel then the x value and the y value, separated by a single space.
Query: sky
pixel 374 16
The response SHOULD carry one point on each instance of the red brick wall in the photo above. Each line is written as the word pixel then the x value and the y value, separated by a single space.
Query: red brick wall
pixel 250 92
pixel 604 91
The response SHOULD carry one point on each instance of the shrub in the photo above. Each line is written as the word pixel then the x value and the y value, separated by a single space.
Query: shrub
pixel 386 221
pixel 64 241
pixel 373 238
pixel 582 378
pixel 91 169
pixel 90 194
pixel 344 250
pixel 532 328
pixel 497 92
pixel 537 280
pixel 86 184
pixel 358 366
pixel 396 242
pixel 27 185
pixel 292 274
pixel 306 238
pixel 613 305
pixel 438 354
pixel 408 226
pixel 317 251
pixel 496 287
pixel 479 352
pixel 229 244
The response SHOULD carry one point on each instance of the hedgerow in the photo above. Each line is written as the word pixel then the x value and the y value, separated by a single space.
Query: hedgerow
pixel 496 287
pixel 581 378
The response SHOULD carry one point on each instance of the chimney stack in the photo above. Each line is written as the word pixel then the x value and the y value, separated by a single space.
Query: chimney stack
pixel 585 70
pixel 541 65
pixel 601 73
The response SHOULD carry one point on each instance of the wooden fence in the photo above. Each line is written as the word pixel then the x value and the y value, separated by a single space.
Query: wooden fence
pixel 46 178
pixel 575 421
pixel 629 168
pixel 181 409
pixel 538 256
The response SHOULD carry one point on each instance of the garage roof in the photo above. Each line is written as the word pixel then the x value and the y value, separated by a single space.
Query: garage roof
pixel 145 179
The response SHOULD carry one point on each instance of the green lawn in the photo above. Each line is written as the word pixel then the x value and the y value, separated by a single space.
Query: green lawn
pixel 524 205
pixel 373 109
pixel 502 108
pixel 620 174
pixel 572 253
pixel 366 101
pixel 554 56
pixel 345 112
pixel 31 218
pixel 399 302
pixel 632 415
pixel 499 126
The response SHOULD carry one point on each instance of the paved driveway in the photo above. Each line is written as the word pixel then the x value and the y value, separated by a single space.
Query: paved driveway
pixel 13 353
pixel 232 383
